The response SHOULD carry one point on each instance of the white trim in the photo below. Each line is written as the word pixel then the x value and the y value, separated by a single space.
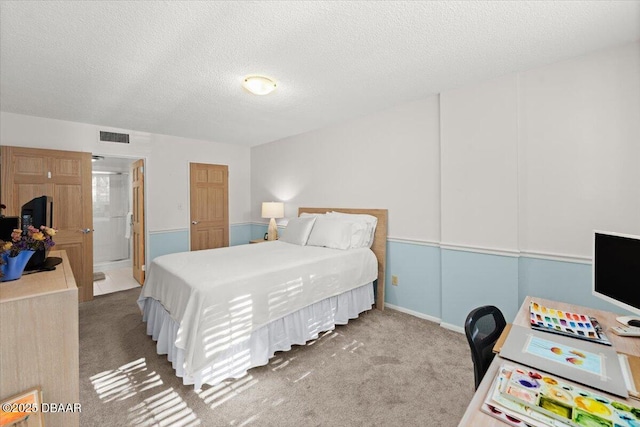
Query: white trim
pixel 266 224
pixel 453 328
pixel 175 230
pixel 414 241
pixel 425 317
pixel 456 247
pixel 488 251
pixel 413 313
pixel 171 230
pixel 556 257
pixel 494 251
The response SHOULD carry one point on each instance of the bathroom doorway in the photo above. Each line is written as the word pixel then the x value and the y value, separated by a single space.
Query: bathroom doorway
pixel 112 218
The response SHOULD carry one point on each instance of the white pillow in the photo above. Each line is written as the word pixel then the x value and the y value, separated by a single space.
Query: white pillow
pixel 358 232
pixel 370 221
pixel 298 230
pixel 331 234
pixel 310 215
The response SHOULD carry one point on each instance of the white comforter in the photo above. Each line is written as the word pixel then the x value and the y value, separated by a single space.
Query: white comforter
pixel 219 296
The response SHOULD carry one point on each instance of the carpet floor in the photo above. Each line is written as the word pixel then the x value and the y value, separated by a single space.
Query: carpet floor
pixel 382 369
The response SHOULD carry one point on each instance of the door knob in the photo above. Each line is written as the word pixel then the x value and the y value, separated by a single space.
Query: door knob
pixel 85 230
pixel 194 222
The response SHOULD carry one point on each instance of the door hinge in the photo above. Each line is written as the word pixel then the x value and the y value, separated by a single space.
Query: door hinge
pixel 49 174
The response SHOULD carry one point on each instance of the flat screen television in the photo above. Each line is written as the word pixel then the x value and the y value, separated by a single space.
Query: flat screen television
pixel 616 272
pixel 7 225
pixel 37 212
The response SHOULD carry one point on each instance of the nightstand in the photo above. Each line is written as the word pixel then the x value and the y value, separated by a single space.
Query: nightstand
pixel 260 241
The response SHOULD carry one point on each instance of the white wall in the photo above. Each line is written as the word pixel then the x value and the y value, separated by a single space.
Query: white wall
pixel 170 177
pixel 579 135
pixel 529 162
pixel 385 160
pixel 167 175
pixel 480 165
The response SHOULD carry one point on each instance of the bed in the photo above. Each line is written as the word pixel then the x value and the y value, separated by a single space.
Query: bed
pixel 217 313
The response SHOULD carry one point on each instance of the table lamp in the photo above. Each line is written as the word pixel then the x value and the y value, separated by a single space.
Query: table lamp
pixel 272 210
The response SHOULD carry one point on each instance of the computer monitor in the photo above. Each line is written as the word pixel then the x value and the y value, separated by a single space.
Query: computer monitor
pixel 37 212
pixel 616 272
pixel 7 225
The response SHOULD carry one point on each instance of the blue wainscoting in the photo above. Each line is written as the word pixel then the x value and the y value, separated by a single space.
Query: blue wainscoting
pixel 418 269
pixel 167 242
pixel 443 284
pixel 471 279
pixel 258 230
pixel 172 241
pixel 568 282
pixel 240 234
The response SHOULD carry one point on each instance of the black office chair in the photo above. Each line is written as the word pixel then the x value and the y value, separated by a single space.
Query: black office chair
pixel 483 328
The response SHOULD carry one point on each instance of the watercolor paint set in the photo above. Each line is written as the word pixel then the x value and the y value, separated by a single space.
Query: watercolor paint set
pixel 566 323
pixel 521 397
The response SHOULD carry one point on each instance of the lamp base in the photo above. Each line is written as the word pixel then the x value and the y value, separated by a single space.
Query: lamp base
pixel 272 232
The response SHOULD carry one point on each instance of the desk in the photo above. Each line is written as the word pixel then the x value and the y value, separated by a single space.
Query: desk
pixel 39 338
pixel 475 417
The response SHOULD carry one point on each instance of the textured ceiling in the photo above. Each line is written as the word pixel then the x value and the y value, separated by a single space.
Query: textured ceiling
pixel 175 67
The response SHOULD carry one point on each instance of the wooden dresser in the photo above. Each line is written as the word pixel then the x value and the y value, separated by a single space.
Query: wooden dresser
pixel 39 338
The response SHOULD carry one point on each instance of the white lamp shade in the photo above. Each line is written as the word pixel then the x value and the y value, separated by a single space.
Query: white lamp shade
pixel 272 210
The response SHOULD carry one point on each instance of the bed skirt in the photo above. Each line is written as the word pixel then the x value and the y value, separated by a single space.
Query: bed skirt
pixel 279 335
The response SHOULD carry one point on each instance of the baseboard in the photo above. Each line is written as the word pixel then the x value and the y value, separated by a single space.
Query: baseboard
pixel 113 265
pixel 411 312
pixel 425 317
pixel 453 328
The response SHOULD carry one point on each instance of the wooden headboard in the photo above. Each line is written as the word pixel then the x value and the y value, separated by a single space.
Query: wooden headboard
pixel 379 246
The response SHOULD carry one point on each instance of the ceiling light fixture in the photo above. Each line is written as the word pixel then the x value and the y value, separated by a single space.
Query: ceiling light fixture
pixel 259 85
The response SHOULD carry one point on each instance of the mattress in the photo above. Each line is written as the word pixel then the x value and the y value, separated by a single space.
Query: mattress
pixel 219 297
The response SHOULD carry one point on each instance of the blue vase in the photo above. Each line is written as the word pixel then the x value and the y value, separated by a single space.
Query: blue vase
pixel 14 266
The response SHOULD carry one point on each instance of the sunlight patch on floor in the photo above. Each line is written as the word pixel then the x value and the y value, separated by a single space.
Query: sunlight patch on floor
pixel 163 409
pixel 248 420
pixel 125 381
pixel 303 376
pixel 281 363
pixel 218 394
pixel 353 346
pixel 324 336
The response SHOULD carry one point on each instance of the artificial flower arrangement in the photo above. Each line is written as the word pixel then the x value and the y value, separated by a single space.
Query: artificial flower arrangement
pixel 32 239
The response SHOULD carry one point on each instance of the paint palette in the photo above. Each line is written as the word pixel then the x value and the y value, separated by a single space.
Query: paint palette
pixel 566 323
pixel 539 399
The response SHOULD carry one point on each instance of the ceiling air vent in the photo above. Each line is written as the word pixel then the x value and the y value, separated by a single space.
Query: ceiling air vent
pixel 122 138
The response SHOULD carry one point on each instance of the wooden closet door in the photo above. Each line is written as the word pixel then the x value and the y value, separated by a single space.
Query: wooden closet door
pixel 209 192
pixel 66 177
